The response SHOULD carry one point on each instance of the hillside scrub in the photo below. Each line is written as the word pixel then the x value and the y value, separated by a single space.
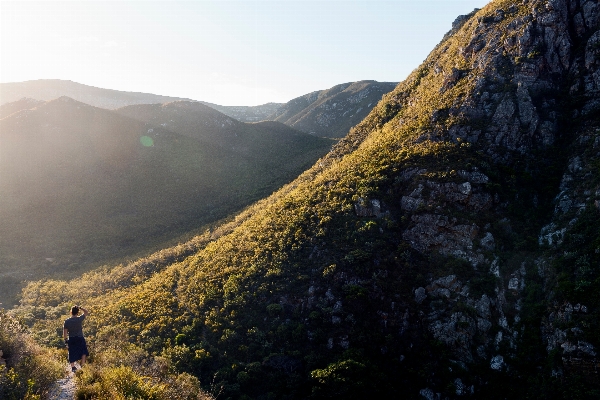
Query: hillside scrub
pixel 27 370
pixel 445 245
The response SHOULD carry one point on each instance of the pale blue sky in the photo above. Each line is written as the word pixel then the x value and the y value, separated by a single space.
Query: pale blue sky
pixel 225 52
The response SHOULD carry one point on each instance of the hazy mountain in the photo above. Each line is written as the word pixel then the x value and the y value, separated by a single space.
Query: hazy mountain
pixel 21 104
pixel 325 113
pixel 50 89
pixel 267 140
pixel 247 113
pixel 332 112
pixel 447 247
pixel 82 185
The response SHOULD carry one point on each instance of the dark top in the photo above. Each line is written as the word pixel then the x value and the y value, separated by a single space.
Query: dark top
pixel 73 325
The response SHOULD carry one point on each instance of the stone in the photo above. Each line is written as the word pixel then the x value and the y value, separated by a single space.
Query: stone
pixel 428 394
pixel 482 306
pixel 465 188
pixel 483 325
pixel 497 363
pixel 420 295
pixel 460 387
pixel 364 208
pixel 474 177
pixel 488 242
pixel 495 268
pixel 408 203
pixel 434 231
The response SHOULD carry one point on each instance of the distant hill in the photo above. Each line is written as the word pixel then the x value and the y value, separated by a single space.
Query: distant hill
pixel 24 103
pixel 50 89
pixel 326 113
pixel 247 113
pixel 82 185
pixel 332 112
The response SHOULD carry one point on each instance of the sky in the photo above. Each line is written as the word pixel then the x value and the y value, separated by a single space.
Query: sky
pixel 225 52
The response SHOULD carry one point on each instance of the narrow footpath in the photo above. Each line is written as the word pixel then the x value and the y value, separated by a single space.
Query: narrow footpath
pixel 64 389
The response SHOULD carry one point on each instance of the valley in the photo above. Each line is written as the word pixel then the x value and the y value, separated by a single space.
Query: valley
pixel 84 186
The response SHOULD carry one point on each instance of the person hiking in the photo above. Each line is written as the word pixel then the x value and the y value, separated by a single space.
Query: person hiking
pixel 73 335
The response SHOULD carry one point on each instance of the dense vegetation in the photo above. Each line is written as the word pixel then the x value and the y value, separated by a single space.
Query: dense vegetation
pixel 27 370
pixel 438 248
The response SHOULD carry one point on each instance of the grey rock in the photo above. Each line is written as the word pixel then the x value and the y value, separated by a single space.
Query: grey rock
pixel 483 307
pixel 408 203
pixel 504 111
pixel 420 295
pixel 488 242
pixel 474 177
pixel 434 231
pixel 497 363
pixel 461 389
pixel 483 325
pixel 428 394
pixel 365 208
pixel 513 283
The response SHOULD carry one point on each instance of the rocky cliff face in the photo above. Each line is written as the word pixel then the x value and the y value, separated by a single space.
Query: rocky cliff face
pixel 524 80
pixel 515 87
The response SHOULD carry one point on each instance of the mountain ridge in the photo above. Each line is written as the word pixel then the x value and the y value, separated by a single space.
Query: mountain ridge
pixel 321 113
pixel 324 112
pixel 49 89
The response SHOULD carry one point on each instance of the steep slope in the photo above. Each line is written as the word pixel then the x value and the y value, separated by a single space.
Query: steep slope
pixel 446 247
pixel 50 89
pixel 82 185
pixel 247 113
pixel 332 112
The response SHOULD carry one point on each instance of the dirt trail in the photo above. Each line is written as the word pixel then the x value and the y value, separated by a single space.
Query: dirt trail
pixel 64 389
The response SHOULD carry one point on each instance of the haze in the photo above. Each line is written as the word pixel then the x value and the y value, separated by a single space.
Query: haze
pixel 224 52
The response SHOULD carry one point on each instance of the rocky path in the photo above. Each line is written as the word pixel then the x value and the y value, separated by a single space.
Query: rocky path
pixel 64 389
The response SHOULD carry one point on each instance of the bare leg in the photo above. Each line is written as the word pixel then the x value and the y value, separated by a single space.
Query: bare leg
pixel 83 360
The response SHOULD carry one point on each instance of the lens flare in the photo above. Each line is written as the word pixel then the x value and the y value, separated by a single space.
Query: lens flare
pixel 147 141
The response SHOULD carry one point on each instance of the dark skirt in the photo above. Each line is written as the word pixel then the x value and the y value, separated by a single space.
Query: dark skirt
pixel 77 348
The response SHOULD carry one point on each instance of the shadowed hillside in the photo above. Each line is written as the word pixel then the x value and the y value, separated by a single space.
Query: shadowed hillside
pixel 82 185
pixel 247 113
pixel 269 142
pixel 446 247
